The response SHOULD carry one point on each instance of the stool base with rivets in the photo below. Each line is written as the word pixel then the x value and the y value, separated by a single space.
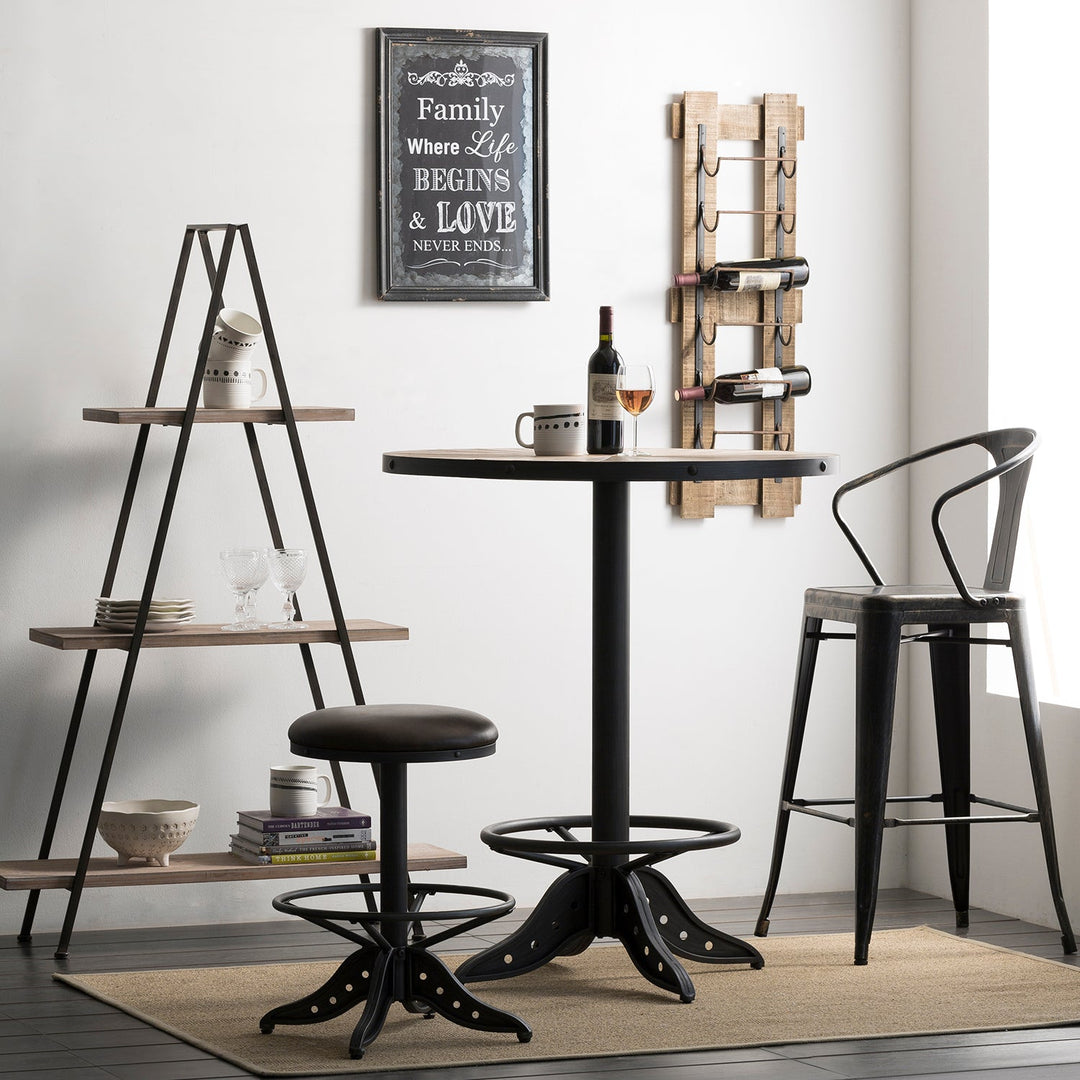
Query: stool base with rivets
pixel 387 968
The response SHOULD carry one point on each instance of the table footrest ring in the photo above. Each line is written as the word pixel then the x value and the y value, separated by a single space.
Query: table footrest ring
pixel 501 836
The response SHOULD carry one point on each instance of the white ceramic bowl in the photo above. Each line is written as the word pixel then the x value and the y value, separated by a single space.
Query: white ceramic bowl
pixel 148 829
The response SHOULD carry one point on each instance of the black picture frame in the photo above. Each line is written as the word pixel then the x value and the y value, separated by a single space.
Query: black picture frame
pixel 462 185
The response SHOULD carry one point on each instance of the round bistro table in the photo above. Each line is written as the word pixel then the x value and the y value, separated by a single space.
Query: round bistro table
pixel 610 886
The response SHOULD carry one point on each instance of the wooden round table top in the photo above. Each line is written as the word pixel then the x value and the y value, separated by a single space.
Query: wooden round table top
pixel 664 464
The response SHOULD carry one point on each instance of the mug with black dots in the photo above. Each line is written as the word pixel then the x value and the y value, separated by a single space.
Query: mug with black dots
pixel 227 377
pixel 558 430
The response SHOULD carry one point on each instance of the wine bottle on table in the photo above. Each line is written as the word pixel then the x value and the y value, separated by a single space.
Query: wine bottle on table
pixel 751 275
pixel 758 385
pixel 604 425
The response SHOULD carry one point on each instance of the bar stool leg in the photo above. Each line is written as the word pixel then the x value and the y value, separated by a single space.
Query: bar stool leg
pixel 393 849
pixel 877 652
pixel 800 705
pixel 950 674
pixel 1029 709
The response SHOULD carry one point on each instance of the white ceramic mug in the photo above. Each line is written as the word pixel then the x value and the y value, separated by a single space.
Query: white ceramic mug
pixel 557 430
pixel 227 377
pixel 294 790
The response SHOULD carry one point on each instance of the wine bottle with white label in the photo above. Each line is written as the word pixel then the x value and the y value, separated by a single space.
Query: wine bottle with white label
pixel 752 275
pixel 758 385
pixel 604 424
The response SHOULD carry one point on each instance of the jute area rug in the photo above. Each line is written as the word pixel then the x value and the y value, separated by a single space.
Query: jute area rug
pixel 918 981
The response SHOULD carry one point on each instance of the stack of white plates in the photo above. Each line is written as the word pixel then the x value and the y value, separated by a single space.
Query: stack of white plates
pixel 165 614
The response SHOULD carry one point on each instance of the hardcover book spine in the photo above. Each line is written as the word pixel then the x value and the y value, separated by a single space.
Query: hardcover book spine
pixel 303 857
pixel 343 819
pixel 255 848
pixel 356 837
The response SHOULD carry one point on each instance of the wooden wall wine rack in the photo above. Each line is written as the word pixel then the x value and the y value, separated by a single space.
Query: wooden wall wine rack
pixel 776 126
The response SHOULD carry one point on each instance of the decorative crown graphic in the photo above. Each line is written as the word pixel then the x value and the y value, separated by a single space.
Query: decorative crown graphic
pixel 461 76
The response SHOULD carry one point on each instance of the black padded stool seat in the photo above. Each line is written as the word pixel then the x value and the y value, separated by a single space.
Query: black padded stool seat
pixel 384 733
pixel 387 967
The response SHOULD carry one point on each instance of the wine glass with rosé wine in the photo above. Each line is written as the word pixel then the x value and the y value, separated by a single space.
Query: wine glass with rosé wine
pixel 634 389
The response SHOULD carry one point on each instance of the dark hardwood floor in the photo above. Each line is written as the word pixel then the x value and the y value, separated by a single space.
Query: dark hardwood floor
pixel 48 1030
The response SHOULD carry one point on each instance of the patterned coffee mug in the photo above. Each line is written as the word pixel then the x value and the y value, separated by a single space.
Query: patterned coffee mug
pixel 226 383
pixel 228 373
pixel 557 430
pixel 294 790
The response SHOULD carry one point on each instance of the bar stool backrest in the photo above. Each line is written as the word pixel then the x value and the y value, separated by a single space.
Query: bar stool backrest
pixel 1012 450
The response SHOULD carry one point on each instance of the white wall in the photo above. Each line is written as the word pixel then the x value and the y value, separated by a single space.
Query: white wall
pixel 121 121
pixel 949 318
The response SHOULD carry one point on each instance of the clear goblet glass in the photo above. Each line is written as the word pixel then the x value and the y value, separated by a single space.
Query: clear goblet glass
pixel 634 388
pixel 245 571
pixel 258 580
pixel 288 567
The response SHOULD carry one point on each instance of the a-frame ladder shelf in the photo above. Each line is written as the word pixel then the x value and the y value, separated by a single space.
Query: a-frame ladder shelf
pixel 74 875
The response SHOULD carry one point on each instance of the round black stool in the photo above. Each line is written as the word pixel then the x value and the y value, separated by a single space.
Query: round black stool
pixel 387 967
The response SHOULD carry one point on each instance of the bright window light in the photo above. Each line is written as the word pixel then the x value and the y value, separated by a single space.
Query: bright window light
pixel 1034 336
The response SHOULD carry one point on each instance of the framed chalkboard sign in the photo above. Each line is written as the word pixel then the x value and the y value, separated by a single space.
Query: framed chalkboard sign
pixel 462 173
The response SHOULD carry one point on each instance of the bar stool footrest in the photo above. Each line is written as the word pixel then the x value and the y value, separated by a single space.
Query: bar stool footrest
pixel 330 918
pixel 707 833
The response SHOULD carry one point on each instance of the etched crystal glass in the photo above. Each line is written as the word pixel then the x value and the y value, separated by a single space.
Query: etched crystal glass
pixel 288 566
pixel 245 571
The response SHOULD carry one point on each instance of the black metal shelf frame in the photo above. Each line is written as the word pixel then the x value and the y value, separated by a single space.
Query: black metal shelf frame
pixel 217 271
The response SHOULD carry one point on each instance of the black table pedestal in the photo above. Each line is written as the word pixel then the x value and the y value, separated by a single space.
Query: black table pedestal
pixel 641 908
pixel 611 895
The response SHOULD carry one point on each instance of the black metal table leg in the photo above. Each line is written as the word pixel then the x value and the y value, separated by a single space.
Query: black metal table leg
pixel 636 928
pixel 610 666
pixel 556 927
pixel 610 896
pixel 684 932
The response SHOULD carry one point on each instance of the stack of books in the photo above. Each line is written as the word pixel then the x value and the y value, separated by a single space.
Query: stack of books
pixel 335 834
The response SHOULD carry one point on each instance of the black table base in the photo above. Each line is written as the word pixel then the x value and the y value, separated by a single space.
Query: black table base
pixel 610 888
pixel 611 896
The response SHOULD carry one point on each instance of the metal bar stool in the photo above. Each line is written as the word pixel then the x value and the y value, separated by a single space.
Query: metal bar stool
pixel 879 612
pixel 387 968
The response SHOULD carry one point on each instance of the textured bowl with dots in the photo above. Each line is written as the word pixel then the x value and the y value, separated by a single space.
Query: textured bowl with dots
pixel 150 829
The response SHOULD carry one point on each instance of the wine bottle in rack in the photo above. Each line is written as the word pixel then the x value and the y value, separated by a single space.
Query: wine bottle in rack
pixel 604 425
pixel 759 385
pixel 752 275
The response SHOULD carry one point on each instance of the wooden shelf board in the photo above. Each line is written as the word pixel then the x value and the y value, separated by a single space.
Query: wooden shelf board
pixel 202 867
pixel 173 416
pixel 197 634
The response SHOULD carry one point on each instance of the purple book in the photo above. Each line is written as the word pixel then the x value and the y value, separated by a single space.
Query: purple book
pixel 328 817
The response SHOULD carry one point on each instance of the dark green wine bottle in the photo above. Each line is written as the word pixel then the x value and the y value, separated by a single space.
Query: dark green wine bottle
pixel 604 425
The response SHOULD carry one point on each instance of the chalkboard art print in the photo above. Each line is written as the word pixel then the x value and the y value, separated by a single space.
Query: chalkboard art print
pixel 462 176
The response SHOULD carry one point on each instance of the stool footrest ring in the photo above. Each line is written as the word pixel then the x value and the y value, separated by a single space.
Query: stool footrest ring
pixel 286 902
pixel 373 922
